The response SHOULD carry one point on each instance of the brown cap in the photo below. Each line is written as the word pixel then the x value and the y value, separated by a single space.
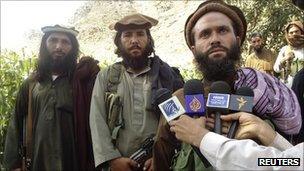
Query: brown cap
pixel 233 12
pixel 134 21
pixel 58 28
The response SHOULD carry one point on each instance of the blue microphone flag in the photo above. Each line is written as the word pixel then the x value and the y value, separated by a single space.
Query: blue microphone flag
pixel 218 100
pixel 195 105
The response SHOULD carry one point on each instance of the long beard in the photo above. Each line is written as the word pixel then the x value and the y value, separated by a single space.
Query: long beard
pixel 258 50
pixel 60 65
pixel 135 63
pixel 219 70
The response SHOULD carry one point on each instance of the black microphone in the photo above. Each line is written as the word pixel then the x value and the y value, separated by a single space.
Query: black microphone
pixel 194 98
pixel 161 95
pixel 242 101
pixel 195 106
pixel 218 102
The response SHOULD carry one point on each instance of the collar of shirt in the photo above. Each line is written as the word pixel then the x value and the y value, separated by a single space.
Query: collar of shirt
pixel 143 71
pixel 136 74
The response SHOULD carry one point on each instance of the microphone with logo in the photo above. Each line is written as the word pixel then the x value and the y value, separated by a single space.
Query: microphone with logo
pixel 169 105
pixel 241 101
pixel 218 102
pixel 195 107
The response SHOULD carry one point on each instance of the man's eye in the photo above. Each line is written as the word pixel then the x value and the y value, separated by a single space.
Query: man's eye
pixel 204 34
pixel 140 34
pixel 127 35
pixel 223 30
pixel 52 40
pixel 66 42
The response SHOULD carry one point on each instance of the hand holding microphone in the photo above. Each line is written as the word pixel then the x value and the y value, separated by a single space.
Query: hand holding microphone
pixel 171 108
pixel 218 103
pixel 241 101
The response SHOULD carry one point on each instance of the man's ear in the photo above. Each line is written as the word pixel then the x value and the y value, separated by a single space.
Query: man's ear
pixel 238 40
pixel 193 50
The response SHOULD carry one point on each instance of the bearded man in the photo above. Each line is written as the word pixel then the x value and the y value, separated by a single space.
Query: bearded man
pixel 41 129
pixel 214 33
pixel 122 113
pixel 261 59
pixel 291 57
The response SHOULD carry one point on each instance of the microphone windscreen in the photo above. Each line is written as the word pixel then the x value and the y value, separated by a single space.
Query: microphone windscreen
pixel 194 98
pixel 162 95
pixel 244 91
pixel 220 87
pixel 193 87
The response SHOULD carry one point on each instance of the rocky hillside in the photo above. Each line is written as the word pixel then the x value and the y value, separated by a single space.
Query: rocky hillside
pixel 94 18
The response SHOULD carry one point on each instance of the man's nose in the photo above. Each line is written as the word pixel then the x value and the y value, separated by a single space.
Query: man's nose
pixel 134 40
pixel 215 39
pixel 58 46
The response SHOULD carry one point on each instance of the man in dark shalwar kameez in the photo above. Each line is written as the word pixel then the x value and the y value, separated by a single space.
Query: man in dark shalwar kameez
pixel 53 142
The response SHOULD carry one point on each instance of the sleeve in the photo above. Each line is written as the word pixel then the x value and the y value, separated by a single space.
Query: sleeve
pixel 280 143
pixel 103 148
pixel 228 154
pixel 14 138
pixel 278 60
pixel 272 100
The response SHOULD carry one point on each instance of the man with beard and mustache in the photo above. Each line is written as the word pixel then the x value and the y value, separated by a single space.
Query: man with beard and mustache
pixel 133 82
pixel 215 33
pixel 261 59
pixel 291 57
pixel 41 128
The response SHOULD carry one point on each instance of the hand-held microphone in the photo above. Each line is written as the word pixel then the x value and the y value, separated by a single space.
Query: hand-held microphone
pixel 195 106
pixel 218 102
pixel 169 105
pixel 194 98
pixel 241 101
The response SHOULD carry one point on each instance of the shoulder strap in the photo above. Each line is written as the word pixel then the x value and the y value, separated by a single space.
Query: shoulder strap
pixel 114 77
pixel 113 101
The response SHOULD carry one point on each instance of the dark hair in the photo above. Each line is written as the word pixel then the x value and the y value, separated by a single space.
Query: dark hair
pixel 44 59
pixel 150 46
pixel 255 34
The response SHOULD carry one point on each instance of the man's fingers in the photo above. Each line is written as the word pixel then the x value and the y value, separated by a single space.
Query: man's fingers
pixel 148 164
pixel 133 163
pixel 231 117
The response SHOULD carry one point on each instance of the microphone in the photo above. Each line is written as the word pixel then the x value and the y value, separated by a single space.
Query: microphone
pixel 218 102
pixel 169 105
pixel 242 101
pixel 195 106
pixel 194 98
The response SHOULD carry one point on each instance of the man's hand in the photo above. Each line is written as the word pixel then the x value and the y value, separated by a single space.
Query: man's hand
pixel 288 58
pixel 189 130
pixel 123 164
pixel 251 127
pixel 210 121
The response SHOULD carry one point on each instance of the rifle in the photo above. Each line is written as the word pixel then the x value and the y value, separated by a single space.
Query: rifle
pixel 287 66
pixel 144 152
pixel 26 147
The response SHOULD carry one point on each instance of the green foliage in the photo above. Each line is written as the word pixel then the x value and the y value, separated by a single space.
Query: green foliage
pixel 268 18
pixel 14 68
